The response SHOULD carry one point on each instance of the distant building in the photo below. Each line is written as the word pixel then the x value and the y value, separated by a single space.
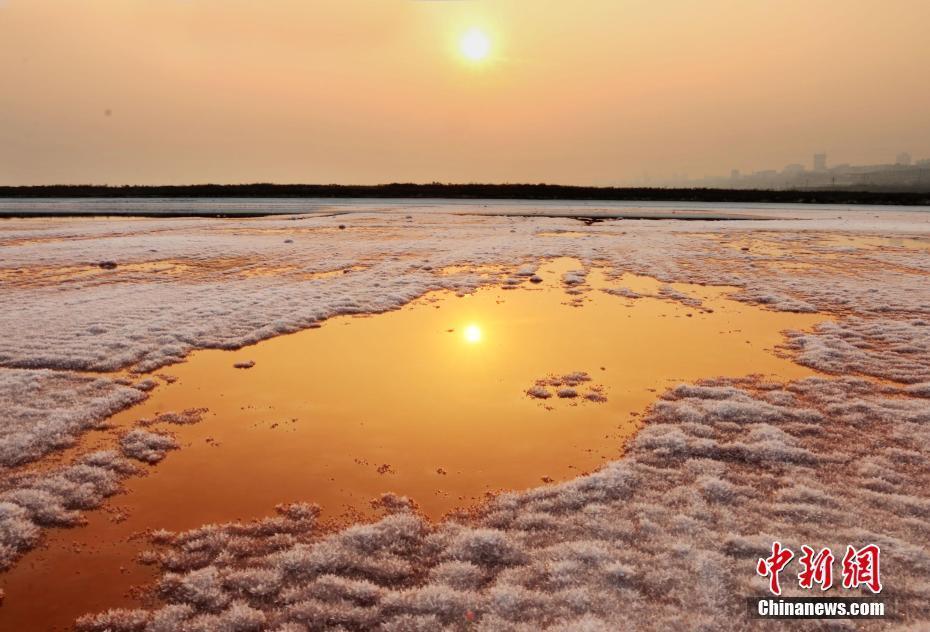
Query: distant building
pixel 905 175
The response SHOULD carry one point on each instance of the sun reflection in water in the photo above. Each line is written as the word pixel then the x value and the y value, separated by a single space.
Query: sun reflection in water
pixel 472 334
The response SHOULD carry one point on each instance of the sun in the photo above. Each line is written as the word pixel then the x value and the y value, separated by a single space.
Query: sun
pixel 473 334
pixel 475 45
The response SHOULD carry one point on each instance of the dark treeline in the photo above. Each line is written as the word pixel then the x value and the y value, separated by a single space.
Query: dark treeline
pixel 468 191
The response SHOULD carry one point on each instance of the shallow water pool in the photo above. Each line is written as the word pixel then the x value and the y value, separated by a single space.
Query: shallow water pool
pixel 430 401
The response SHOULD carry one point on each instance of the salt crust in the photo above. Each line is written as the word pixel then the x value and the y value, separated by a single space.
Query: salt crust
pixel 719 469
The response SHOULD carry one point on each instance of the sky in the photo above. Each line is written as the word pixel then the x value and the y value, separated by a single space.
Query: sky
pixel 368 91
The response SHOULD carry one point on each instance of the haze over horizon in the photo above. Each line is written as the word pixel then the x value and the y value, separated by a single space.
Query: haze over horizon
pixel 356 92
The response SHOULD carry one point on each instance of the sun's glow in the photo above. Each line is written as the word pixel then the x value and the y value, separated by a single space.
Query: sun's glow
pixel 473 334
pixel 475 45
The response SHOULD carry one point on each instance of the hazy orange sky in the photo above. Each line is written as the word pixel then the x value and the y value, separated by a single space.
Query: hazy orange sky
pixel 367 91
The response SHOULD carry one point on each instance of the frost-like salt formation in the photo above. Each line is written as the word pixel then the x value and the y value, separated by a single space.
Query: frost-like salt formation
pixel 29 501
pixel 666 292
pixel 569 379
pixel 150 447
pixel 55 499
pixel 890 349
pixel 146 385
pixel 538 392
pixel 574 277
pixel 566 387
pixel 623 292
pixel 670 293
pixel 42 411
pixel 183 418
pixel 720 469
pixel 596 394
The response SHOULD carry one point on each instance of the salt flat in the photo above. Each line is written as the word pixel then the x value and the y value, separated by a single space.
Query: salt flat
pixel 718 470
